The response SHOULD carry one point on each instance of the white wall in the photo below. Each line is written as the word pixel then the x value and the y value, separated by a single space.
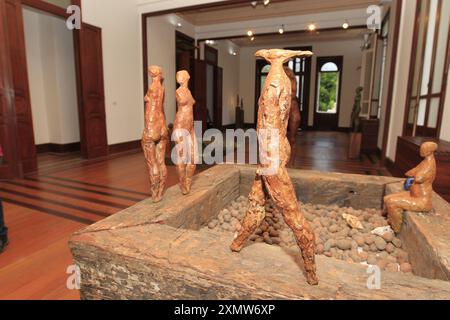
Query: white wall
pixel 401 77
pixel 162 52
pixel 51 68
pixel 351 51
pixel 231 75
pixel 122 65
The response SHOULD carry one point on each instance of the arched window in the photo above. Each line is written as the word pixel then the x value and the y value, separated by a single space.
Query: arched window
pixel 329 67
pixel 328 84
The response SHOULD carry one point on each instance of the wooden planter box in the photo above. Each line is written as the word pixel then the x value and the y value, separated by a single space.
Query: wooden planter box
pixel 159 251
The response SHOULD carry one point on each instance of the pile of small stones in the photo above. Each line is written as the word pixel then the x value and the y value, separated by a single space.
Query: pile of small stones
pixel 334 236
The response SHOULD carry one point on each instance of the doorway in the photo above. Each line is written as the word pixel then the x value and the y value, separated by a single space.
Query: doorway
pixel 213 88
pixel 328 93
pixel 16 114
pixel 50 56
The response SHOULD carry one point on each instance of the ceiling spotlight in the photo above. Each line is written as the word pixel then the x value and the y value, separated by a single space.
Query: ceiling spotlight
pixel 266 2
pixel 250 33
pixel 179 25
pixel 281 30
pixel 345 25
pixel 252 38
pixel 233 53
pixel 311 27
pixel 254 4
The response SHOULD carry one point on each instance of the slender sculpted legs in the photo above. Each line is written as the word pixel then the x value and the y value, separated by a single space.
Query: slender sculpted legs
pixel 155 158
pixel 186 167
pixel 283 195
pixel 149 148
pixel 279 188
pixel 161 164
pixel 254 217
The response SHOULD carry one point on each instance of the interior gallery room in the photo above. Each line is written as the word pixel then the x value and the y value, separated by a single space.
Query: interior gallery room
pixel 224 150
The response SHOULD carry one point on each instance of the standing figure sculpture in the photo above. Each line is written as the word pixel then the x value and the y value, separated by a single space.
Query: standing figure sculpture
pixel 420 196
pixel 294 116
pixel 273 115
pixel 156 134
pixel 184 133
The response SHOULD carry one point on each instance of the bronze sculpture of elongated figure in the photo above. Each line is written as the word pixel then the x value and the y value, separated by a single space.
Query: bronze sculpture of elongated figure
pixel 156 134
pixel 273 116
pixel 294 116
pixel 184 133
pixel 420 196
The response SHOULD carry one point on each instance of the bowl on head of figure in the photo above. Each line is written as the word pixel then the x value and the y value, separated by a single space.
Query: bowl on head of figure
pixel 272 55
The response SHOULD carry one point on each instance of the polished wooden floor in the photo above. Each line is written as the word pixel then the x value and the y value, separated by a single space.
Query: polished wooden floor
pixel 69 193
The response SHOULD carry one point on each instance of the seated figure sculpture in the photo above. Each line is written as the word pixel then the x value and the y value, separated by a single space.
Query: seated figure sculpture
pixel 156 134
pixel 184 133
pixel 273 115
pixel 419 198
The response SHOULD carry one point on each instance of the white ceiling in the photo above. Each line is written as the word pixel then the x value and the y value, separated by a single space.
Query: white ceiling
pixel 306 37
pixel 324 20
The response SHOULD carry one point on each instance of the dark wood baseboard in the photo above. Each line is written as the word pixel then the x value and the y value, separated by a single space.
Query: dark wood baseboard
pixel 58 148
pixel 378 152
pixel 124 146
pixel 344 129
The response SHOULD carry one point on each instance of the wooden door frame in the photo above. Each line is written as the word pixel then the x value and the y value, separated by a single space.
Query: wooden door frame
pixel 412 69
pixel 52 9
pixel 337 60
pixel 11 168
pixel 390 93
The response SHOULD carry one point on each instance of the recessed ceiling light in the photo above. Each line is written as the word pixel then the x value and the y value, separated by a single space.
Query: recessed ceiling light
pixel 252 38
pixel 179 25
pixel 281 30
pixel 250 33
pixel 345 25
pixel 254 4
pixel 266 2
pixel 311 27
